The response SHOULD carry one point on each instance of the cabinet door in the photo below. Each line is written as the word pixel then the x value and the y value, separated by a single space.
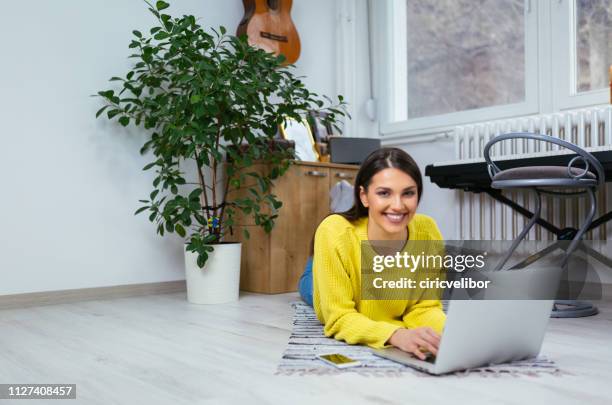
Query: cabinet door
pixel 304 191
pixel 254 261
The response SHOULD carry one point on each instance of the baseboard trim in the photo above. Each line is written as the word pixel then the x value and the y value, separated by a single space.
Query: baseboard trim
pixel 89 294
pixel 165 287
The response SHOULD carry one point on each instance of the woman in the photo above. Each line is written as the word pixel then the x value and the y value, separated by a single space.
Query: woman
pixel 388 188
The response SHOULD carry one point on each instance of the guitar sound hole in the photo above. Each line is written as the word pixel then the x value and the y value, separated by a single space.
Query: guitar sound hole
pixel 273 4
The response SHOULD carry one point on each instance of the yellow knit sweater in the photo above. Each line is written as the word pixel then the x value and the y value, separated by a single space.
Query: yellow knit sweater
pixel 337 286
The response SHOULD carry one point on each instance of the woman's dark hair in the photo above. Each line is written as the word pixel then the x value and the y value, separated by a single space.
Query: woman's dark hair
pixel 380 159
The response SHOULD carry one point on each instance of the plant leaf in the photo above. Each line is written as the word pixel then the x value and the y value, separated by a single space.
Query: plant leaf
pixel 101 110
pixel 161 5
pixel 202 258
pixel 112 113
pixel 180 230
pixel 141 209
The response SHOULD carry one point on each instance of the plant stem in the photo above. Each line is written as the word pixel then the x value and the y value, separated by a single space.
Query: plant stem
pixel 215 167
pixel 227 183
pixel 202 184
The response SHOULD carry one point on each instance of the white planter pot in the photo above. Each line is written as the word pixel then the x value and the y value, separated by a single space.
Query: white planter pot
pixel 219 281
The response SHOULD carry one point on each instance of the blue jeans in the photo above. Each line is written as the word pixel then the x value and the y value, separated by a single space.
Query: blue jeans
pixel 305 284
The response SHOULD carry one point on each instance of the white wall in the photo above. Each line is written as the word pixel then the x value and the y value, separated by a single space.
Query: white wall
pixel 353 66
pixel 70 182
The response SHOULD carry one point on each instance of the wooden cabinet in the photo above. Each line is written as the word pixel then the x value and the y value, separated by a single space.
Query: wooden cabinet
pixel 274 262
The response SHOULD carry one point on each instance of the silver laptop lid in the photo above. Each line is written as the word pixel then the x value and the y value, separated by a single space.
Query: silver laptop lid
pixel 478 333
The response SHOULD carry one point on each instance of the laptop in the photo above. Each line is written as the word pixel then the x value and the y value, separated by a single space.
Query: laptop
pixel 485 332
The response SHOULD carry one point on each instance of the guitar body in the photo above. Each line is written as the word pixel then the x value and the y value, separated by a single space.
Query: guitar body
pixel 268 25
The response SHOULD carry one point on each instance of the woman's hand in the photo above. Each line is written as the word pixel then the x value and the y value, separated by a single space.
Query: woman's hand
pixel 416 341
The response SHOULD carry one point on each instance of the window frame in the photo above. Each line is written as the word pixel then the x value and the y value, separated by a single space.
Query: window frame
pixel 565 96
pixel 548 42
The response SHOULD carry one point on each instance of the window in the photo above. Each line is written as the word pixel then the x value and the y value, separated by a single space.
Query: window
pixel 463 55
pixel 450 62
pixel 593 43
pixel 582 52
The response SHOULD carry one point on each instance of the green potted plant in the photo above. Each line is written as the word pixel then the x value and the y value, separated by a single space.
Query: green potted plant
pixel 202 96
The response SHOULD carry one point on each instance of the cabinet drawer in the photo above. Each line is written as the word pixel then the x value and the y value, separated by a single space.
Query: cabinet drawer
pixel 337 175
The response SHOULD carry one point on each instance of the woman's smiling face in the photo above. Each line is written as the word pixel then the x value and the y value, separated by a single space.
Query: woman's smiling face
pixel 391 199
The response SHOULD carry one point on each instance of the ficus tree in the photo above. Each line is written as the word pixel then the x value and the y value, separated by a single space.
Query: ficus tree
pixel 210 100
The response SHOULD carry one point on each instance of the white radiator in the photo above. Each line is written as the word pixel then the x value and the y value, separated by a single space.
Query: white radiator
pixel 481 217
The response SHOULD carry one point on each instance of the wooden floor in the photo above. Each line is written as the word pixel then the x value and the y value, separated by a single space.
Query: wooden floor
pixel 162 350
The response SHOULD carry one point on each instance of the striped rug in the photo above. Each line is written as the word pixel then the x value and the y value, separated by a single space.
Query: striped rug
pixel 307 340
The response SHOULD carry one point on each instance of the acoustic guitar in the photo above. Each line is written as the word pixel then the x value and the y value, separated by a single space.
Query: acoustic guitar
pixel 268 25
